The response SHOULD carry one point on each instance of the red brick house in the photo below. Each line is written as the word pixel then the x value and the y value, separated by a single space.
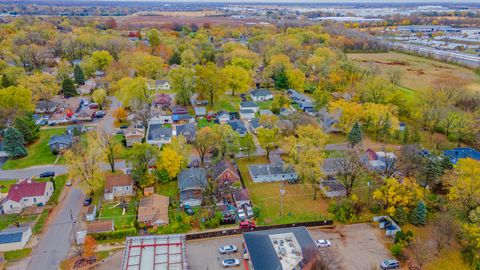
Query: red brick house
pixel 225 173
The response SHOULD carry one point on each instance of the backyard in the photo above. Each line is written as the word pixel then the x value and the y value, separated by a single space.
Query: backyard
pixel 112 210
pixel 225 102
pixel 38 152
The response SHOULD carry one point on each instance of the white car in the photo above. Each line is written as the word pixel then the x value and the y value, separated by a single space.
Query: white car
pixel 323 243
pixel 69 183
pixel 230 262
pixel 241 214
pixel 228 249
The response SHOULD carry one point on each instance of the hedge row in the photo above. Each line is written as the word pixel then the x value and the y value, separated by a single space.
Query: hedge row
pixel 119 234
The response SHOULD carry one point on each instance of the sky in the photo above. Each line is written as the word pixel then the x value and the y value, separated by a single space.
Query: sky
pixel 307 1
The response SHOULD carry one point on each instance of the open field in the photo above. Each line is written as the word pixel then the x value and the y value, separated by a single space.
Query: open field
pixel 418 72
pixel 135 21
pixel 199 13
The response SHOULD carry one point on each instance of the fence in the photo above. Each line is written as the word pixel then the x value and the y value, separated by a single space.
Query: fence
pixel 227 232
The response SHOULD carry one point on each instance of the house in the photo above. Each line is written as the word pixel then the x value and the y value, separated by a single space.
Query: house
pixel 26 193
pixel 255 124
pixel 14 238
pixel 87 87
pixel 331 166
pixel 285 248
pixel 377 161
pixel 328 121
pixel 158 85
pixel 332 188
pixel 238 126
pixel 178 109
pixel 271 172
pixel 307 106
pixel 153 210
pixel 162 101
pixel 191 183
pixel 260 95
pixel 200 111
pixel 91 214
pixel 133 135
pixel 188 131
pixel 100 226
pixel 241 197
pixel 46 106
pixel 180 115
pixel 247 114
pixel 249 105
pixel 266 112
pixel 84 114
pixel 285 111
pixel 59 117
pixel 223 117
pixel 458 153
pixel 117 185
pixel 297 97
pixel 159 135
pixel 161 118
pixel 58 143
pixel 225 173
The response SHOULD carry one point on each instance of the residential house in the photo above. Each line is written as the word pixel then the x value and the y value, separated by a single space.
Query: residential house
pixel 189 131
pixel 377 161
pixel 87 87
pixel 285 111
pixel 225 173
pixel 59 117
pixel 307 107
pixel 331 166
pixel 328 121
pixel 191 183
pixel 91 214
pixel 133 135
pixel 159 135
pixel 249 105
pixel 84 114
pixel 238 126
pixel 161 118
pixel 117 185
pixel 180 115
pixel 223 117
pixel 271 173
pixel 332 188
pixel 266 112
pixel 46 106
pixel 101 226
pixel 297 97
pixel 153 210
pixel 247 114
pixel 241 197
pixel 200 111
pixel 255 124
pixel 158 85
pixel 14 238
pixel 162 101
pixel 58 143
pixel 260 95
pixel 460 153
pixel 26 193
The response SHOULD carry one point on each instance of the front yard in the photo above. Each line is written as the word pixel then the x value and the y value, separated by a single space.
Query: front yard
pixel 112 210
pixel 298 203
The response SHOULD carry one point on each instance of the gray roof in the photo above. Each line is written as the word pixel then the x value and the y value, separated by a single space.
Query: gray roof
pixel 192 178
pixel 333 185
pixel 255 123
pixel 62 139
pixel 200 110
pixel 13 235
pixel 187 130
pixel 268 169
pixel 260 93
pixel 266 112
pixel 156 131
pixel 248 104
pixel 263 254
pixel 159 82
pixel 244 111
pixel 238 126
pixel 331 165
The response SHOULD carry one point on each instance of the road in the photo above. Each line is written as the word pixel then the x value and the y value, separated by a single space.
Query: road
pixel 56 242
pixel 107 122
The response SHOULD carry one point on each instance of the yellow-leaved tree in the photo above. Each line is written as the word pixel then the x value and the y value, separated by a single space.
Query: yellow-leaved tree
pixel 351 112
pixel 394 194
pixel 465 185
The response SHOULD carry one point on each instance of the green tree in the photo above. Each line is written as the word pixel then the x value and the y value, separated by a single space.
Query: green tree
pixel 401 215
pixel 279 101
pixel 355 135
pixel 247 145
pixel 78 75
pixel 419 214
pixel 238 79
pixel 175 59
pixel 182 82
pixel 99 95
pixel 14 144
pixel 68 88
pixel 153 37
pixel 25 124
pixel 139 158
pixel 268 138
pixel 209 82
pixel 228 140
pixel 132 90
pixel 5 82
pixel 280 78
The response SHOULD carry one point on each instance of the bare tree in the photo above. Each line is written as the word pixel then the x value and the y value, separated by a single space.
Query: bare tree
pixel 445 230
pixel 142 111
pixel 324 259
pixel 349 168
pixel 421 251
pixel 391 167
pixel 410 160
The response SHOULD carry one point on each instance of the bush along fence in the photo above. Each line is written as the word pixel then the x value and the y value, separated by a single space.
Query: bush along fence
pixel 193 236
pixel 118 234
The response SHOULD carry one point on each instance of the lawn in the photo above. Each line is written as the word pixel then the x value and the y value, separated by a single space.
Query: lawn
pixel 40 222
pixel 169 189
pixel 38 152
pixel 298 203
pixel 18 254
pixel 7 220
pixel 202 122
pixel 226 103
pixel 266 105
pixel 111 210
pixel 5 185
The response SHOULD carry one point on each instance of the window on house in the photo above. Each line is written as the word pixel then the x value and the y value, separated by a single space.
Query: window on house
pixel 34 200
pixel 11 206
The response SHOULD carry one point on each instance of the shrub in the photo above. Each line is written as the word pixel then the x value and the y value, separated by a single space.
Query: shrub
pixel 344 211
pixel 256 212
pixel 400 216
pixel 396 250
pixel 118 234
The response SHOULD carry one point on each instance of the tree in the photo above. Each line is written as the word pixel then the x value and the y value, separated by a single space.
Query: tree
pixel 296 79
pixel 247 145
pixel 205 142
pixel 101 59
pixel 139 157
pixel 153 37
pixel 131 90
pixel 470 241
pixel 13 143
pixel 351 113
pixel 238 79
pixel 394 76
pixel 111 147
pixel 394 194
pixel 421 251
pixel 268 138
pixel 410 162
pixel 209 82
pixel 419 214
pixel 279 101
pixel 349 169
pixel 14 100
pixel 25 124
pixel 465 185
pixel 99 96
pixel 445 231
pixel 188 58
pixel 355 135
pixel 42 85
pixel 182 82
pixel 171 161
pixel 120 114
pixel 228 140
pixel 400 216
pixel 78 75
pixel 89 246
pixel 175 59
pixel 280 79
pixel 68 88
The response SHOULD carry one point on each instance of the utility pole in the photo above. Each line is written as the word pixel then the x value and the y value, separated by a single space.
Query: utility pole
pixel 282 192
pixel 369 183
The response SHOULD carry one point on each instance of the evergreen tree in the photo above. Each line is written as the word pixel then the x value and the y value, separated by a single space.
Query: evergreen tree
pixel 175 59
pixel 68 88
pixel 384 132
pixel 415 138
pixel 280 78
pixel 446 164
pixel 26 126
pixel 400 216
pixel 78 74
pixel 14 144
pixel 406 136
pixel 5 82
pixel 419 214
pixel 355 135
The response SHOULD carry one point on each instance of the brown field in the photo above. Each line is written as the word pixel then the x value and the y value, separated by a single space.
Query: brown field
pixel 137 22
pixel 418 73
pixel 202 13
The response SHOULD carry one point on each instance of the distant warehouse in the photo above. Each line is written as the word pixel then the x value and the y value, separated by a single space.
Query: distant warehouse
pixel 428 28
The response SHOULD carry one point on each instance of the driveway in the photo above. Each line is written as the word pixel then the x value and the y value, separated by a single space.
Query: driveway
pixel 56 242
pixel 107 122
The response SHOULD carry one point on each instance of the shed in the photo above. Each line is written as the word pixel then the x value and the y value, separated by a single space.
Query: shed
pixel 100 226
pixel 200 111
pixel 91 213
pixel 332 188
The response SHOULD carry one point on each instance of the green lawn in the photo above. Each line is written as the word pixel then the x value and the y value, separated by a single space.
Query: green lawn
pixel 266 105
pixel 298 203
pixel 38 152
pixel 40 222
pixel 226 103
pixel 110 210
pixel 169 189
pixel 18 254
pixel 202 122
pixel 5 185
pixel 7 220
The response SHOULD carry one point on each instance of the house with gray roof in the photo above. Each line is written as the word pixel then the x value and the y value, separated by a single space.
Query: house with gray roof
pixel 247 114
pixel 255 124
pixel 260 95
pixel 223 117
pixel 200 111
pixel 249 105
pixel 331 188
pixel 331 166
pixel 158 134
pixel 238 126
pixel 58 143
pixel 189 131
pixel 271 173
pixel 191 183
pixel 14 238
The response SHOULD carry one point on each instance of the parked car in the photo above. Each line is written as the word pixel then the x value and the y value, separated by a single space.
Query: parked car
pixel 228 218
pixel 228 249
pixel 123 126
pixel 234 115
pixel 196 163
pixel 241 214
pixel 230 262
pixel 47 174
pixel 52 124
pixel 323 243
pixel 69 183
pixel 247 224
pixel 87 201
pixel 389 264
pixel 99 114
pixel 188 209
pixel 248 210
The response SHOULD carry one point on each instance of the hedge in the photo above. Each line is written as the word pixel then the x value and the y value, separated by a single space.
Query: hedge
pixel 118 234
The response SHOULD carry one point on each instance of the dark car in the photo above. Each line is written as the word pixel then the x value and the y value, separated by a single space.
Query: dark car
pixel 99 114
pixel 228 218
pixel 47 174
pixel 123 126
pixel 234 115
pixel 52 124
pixel 87 201
pixel 188 210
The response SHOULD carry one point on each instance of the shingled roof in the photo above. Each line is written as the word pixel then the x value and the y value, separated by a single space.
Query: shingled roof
pixel 26 189
pixel 117 180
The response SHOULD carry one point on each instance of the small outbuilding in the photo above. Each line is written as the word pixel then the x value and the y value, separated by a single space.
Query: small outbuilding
pixel 14 238
pixel 332 188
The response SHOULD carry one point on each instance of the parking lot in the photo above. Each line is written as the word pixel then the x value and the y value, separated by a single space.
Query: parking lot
pixel 203 254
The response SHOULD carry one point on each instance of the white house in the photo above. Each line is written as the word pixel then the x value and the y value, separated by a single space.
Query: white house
pixel 259 95
pixel 249 105
pixel 158 85
pixel 26 193
pixel 247 114
pixel 118 185
pixel 271 173
pixel 14 238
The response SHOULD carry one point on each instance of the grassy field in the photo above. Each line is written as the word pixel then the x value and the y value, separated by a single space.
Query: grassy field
pixel 227 103
pixel 298 200
pixel 202 122
pixel 18 254
pixel 169 189
pixel 418 72
pixel 266 105
pixel 8 220
pixel 5 185
pixel 38 152
pixel 110 211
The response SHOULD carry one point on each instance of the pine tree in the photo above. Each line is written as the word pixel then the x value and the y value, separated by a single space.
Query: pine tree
pixel 355 135
pixel 175 59
pixel 5 82
pixel 26 126
pixel 78 74
pixel 14 144
pixel 280 78
pixel 400 216
pixel 68 88
pixel 406 136
pixel 419 214
pixel 415 138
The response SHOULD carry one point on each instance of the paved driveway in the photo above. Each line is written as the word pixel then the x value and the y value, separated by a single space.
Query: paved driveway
pixel 204 255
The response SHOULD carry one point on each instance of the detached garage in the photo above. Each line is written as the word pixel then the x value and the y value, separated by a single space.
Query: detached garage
pixel 15 238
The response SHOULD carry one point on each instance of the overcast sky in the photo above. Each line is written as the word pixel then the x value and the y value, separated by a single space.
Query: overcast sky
pixel 308 1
